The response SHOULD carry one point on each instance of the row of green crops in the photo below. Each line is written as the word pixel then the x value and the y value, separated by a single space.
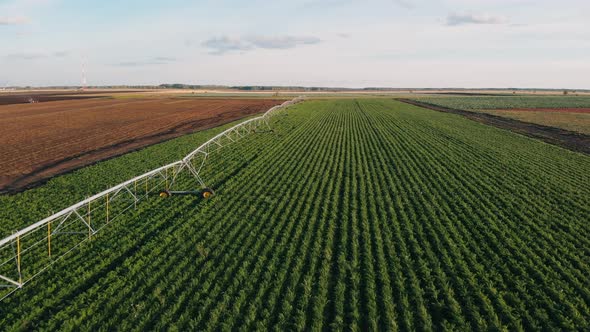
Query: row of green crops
pixel 508 102
pixel 354 214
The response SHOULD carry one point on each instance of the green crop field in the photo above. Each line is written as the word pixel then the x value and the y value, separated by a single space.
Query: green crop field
pixel 365 214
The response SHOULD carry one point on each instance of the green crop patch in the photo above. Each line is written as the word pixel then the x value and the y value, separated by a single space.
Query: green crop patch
pixel 365 214
pixel 508 102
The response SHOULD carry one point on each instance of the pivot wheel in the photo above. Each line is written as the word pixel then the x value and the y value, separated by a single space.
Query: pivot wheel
pixel 207 193
pixel 164 194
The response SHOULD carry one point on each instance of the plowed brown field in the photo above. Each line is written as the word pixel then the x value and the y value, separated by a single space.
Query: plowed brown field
pixel 41 140
pixel 26 97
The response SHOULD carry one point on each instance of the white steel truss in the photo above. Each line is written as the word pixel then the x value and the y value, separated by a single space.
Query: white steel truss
pixel 89 216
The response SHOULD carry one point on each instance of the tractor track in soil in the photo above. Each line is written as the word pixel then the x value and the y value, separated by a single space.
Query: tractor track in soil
pixel 570 140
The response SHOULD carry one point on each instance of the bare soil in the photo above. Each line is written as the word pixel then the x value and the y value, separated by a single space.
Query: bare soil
pixel 548 110
pixel 27 97
pixel 41 140
pixel 567 139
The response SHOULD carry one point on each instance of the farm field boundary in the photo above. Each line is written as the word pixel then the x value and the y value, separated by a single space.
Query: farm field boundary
pixel 369 214
pixel 564 138
pixel 94 213
pixel 42 140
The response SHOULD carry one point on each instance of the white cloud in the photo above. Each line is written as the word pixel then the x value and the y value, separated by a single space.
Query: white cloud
pixel 311 4
pixel 467 18
pixel 24 56
pixel 34 55
pixel 159 60
pixel 15 20
pixel 224 44
pixel 405 3
pixel 61 54
pixel 281 42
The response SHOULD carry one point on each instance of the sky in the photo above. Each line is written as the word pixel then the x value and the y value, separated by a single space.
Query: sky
pixel 335 43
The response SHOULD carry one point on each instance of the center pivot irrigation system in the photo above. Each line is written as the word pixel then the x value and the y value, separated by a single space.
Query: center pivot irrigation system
pixel 33 249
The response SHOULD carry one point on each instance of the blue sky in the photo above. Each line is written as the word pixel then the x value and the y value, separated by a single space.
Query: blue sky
pixel 349 43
